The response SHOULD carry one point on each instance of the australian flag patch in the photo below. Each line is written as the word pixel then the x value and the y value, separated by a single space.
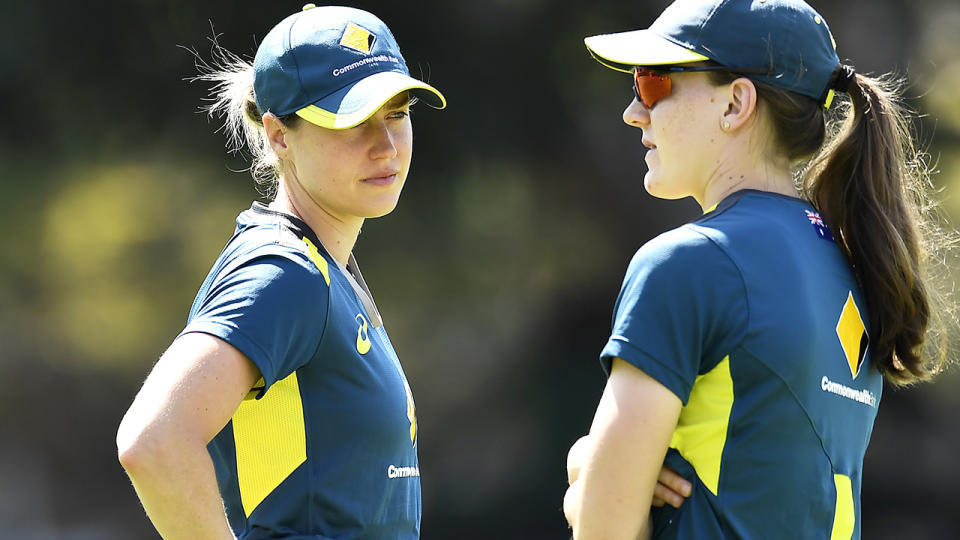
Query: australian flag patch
pixel 822 230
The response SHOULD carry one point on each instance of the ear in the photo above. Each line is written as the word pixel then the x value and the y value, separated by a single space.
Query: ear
pixel 277 135
pixel 741 106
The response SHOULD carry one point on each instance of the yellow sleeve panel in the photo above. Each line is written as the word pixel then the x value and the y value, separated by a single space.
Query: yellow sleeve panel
pixel 270 439
pixel 702 428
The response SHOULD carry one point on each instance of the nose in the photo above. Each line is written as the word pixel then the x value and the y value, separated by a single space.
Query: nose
pixel 636 115
pixel 381 140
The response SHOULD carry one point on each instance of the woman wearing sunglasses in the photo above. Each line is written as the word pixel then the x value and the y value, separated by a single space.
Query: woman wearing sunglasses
pixel 749 347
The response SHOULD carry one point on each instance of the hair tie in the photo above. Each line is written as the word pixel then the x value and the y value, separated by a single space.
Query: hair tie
pixel 843 77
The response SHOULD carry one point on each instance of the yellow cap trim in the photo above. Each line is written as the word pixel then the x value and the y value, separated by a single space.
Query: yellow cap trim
pixel 331 120
pixel 318 116
pixel 830 94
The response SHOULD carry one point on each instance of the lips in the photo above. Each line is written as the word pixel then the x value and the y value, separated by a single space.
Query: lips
pixel 382 178
pixel 649 144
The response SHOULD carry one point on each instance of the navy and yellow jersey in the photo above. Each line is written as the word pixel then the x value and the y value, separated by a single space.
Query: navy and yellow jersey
pixel 753 318
pixel 325 445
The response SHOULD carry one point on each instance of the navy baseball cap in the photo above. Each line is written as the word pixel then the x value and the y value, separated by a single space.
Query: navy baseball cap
pixel 334 67
pixel 787 37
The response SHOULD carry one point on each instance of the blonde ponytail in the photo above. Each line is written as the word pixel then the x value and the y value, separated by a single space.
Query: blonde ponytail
pixel 232 98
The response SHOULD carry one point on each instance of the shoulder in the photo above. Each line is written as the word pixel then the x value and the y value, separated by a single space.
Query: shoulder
pixel 682 270
pixel 751 219
pixel 685 251
pixel 270 242
pixel 264 264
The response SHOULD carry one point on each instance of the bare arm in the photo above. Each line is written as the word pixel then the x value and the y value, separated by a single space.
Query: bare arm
pixel 611 496
pixel 671 488
pixel 190 395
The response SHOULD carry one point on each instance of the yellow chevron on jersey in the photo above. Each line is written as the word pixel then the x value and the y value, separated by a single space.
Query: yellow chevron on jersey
pixel 853 335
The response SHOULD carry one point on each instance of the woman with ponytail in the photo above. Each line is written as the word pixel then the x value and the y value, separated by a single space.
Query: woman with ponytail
pixel 749 347
pixel 281 410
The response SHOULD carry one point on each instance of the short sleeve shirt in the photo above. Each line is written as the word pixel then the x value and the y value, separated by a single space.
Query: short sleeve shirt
pixel 324 446
pixel 753 318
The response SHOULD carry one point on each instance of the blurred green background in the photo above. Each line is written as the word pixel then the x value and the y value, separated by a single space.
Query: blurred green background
pixel 496 275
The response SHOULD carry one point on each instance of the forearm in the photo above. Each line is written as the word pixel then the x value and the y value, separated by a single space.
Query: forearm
pixel 611 492
pixel 571 508
pixel 178 489
pixel 611 499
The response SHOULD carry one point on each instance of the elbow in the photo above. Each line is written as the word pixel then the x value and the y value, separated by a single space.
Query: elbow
pixel 153 450
pixel 139 447
pixel 132 447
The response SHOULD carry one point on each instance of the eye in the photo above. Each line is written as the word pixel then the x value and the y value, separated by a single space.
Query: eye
pixel 399 115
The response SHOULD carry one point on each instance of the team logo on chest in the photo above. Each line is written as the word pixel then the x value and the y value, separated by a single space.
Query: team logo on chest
pixel 853 335
pixel 363 335
pixel 411 413
pixel 854 343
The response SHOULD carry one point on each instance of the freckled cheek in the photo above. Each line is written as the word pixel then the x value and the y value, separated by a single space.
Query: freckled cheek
pixel 405 150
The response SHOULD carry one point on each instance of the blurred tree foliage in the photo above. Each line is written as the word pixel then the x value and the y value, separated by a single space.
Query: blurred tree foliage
pixel 496 275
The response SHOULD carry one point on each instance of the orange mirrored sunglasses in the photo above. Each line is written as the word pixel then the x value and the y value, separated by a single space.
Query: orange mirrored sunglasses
pixel 652 85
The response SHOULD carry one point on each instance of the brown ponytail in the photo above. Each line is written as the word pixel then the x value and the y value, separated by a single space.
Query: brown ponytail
pixel 871 185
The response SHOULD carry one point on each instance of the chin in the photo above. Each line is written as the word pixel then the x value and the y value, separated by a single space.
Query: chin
pixel 380 210
pixel 658 187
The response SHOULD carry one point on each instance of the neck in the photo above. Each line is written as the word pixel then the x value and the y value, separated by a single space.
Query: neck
pixel 338 235
pixel 746 172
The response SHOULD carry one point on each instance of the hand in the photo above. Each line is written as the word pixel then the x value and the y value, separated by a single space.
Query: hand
pixel 671 488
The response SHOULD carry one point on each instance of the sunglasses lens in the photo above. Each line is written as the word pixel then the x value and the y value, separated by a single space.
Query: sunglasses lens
pixel 650 87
